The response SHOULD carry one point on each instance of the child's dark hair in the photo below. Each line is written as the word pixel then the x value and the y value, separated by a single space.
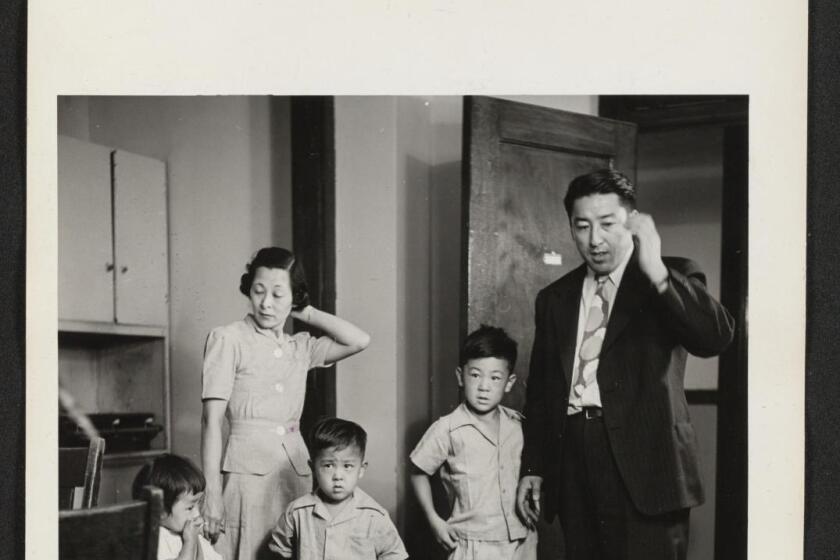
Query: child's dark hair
pixel 489 342
pixel 173 474
pixel 335 432
pixel 277 257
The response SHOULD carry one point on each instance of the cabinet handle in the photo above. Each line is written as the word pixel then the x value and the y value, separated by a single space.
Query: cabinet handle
pixel 109 267
pixel 124 269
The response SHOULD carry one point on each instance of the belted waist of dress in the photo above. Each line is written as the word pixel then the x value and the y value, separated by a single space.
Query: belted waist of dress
pixel 247 427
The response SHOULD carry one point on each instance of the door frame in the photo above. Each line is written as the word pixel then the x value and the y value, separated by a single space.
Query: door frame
pixel 313 230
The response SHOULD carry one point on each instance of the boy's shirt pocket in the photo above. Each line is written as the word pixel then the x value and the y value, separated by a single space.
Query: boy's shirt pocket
pixel 360 547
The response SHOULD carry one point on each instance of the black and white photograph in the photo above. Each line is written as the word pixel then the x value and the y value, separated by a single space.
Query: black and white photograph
pixel 172 211
pixel 294 318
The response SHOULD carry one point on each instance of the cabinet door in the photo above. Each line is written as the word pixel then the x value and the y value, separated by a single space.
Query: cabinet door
pixel 85 250
pixel 140 240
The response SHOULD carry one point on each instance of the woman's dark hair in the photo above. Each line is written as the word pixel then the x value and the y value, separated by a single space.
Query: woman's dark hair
pixel 335 432
pixel 603 181
pixel 277 257
pixel 489 342
pixel 173 474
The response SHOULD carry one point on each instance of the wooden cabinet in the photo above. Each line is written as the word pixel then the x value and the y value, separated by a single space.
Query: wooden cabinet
pixel 112 226
pixel 113 339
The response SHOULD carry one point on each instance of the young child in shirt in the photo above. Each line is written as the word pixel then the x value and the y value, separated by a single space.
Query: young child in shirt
pixel 180 523
pixel 337 520
pixel 477 448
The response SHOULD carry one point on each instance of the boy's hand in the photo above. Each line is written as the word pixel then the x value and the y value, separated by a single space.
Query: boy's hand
pixel 192 527
pixel 445 535
pixel 528 499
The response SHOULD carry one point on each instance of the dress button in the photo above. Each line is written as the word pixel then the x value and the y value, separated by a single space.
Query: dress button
pixel 280 430
pixel 278 353
pixel 279 387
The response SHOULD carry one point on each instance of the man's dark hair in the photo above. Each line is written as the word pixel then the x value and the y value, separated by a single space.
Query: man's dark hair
pixel 173 474
pixel 603 181
pixel 338 433
pixel 489 342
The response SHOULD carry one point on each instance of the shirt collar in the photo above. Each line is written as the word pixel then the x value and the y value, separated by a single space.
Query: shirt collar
pixel 462 416
pixel 249 319
pixel 360 500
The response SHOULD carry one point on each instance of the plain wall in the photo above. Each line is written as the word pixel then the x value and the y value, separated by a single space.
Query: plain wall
pixel 229 189
pixel 367 279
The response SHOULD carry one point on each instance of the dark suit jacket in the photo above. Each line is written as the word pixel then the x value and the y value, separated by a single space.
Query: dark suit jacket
pixel 640 376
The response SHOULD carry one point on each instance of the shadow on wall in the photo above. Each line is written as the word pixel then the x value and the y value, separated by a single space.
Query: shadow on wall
pixel 446 283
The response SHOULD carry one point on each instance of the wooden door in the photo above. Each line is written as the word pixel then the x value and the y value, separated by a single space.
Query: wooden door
pixel 518 161
pixel 85 252
pixel 140 240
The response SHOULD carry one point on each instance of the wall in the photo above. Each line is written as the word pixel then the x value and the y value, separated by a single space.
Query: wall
pixel 383 176
pixel 229 191
pixel 367 279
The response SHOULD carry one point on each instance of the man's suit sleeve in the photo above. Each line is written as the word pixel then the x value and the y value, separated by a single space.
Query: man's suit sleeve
pixel 536 415
pixel 701 324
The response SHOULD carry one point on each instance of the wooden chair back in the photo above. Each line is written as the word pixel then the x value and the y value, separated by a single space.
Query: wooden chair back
pixel 127 531
pixel 80 467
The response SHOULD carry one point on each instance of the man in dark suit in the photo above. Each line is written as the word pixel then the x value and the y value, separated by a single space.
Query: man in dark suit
pixel 608 440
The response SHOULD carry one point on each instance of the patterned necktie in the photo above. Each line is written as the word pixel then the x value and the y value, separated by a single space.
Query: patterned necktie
pixel 593 336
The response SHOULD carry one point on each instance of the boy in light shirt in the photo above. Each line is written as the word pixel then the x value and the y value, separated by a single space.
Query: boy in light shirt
pixel 337 520
pixel 477 448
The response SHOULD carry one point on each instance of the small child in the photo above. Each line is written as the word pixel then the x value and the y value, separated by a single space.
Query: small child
pixel 477 447
pixel 180 523
pixel 337 520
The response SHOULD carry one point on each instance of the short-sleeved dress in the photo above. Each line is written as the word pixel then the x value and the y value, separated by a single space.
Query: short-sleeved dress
pixel 263 379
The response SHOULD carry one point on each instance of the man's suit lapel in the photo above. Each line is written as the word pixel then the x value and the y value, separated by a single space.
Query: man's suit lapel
pixel 566 322
pixel 632 292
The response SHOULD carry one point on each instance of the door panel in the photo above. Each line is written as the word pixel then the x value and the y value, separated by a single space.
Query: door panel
pixel 140 240
pixel 85 251
pixel 519 160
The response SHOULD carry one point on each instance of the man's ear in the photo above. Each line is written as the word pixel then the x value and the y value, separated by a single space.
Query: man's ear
pixel 511 380
pixel 459 375
pixel 362 470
